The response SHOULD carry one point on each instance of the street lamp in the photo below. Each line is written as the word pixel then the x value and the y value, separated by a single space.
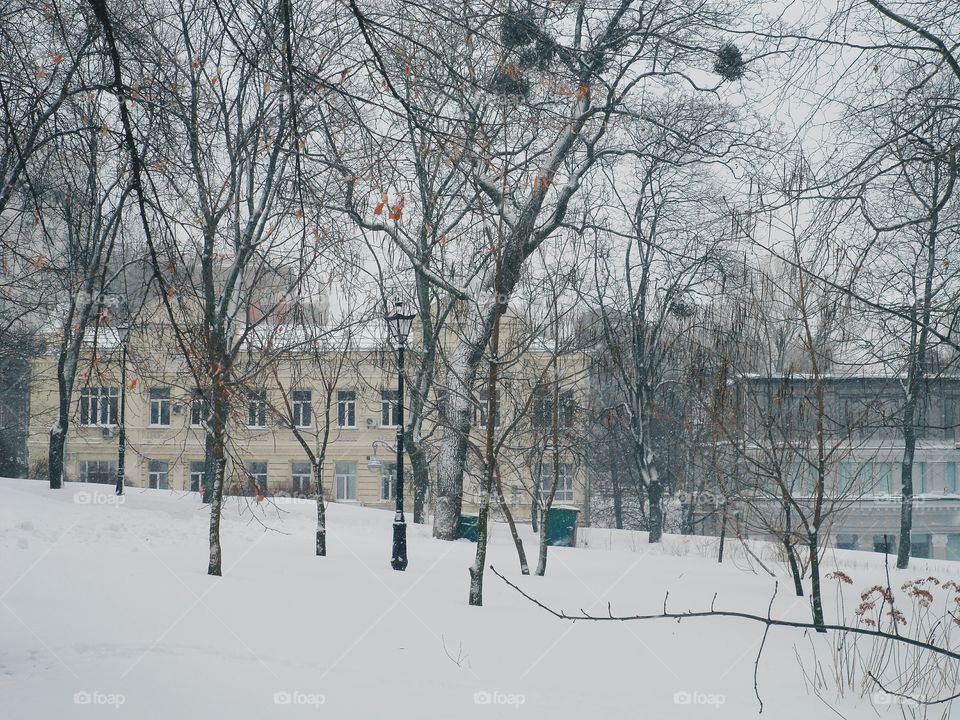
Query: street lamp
pixel 123 327
pixel 399 324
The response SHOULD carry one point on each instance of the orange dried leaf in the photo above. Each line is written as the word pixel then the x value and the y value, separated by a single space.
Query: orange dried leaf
pixel 133 384
pixel 397 210
pixel 169 267
pixel 57 59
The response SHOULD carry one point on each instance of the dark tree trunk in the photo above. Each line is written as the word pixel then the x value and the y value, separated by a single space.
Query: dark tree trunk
pixel 321 510
pixel 816 598
pixel 791 552
pixel 654 497
pixel 58 439
pixel 420 468
pixel 517 541
pixel 617 497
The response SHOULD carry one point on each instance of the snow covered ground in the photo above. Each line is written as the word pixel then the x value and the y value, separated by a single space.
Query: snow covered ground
pixel 106 611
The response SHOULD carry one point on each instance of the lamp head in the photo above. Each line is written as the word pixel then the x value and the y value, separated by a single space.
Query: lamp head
pixel 400 322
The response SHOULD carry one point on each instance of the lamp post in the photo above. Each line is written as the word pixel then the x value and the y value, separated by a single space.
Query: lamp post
pixel 399 324
pixel 124 329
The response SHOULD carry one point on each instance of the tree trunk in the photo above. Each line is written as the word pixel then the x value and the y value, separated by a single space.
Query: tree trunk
pixel 452 460
pixel 321 510
pixel 215 564
pixel 617 497
pixel 816 600
pixel 420 468
pixel 58 433
pixel 654 493
pixel 517 540
pixel 791 552
pixel 58 439
pixel 218 454
pixel 723 535
pixel 542 544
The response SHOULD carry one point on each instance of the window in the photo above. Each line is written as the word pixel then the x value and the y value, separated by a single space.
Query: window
pixel 953 547
pixel 388 408
pixel 885 544
pixel 346 408
pixel 543 407
pixel 199 409
pixel 515 494
pixel 158 475
pixel 302 402
pixel 98 471
pixel 950 477
pixel 301 479
pixel 951 417
pixel 846 542
pixel 257 409
pixel 98 406
pixel 920 545
pixel 346 480
pixel 388 481
pixel 884 483
pixel 482 409
pixel 257 478
pixel 160 407
pixel 919 477
pixel 564 494
pixel 198 475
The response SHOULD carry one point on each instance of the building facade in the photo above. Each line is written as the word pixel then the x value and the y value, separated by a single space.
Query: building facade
pixel 343 400
pixel 773 462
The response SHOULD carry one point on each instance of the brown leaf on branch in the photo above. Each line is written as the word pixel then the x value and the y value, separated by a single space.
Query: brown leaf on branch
pixel 397 210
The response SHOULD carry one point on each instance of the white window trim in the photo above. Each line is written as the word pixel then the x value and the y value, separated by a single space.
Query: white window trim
pixel 348 405
pixel 159 402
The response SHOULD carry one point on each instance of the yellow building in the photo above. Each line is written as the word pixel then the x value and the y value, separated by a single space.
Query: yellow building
pixel 348 397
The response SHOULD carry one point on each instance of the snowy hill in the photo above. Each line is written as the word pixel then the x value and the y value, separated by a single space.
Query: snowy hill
pixel 107 612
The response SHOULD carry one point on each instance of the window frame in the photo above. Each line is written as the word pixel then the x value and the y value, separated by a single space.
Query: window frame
pixel 257 409
pixel 99 401
pixel 160 401
pixel 199 408
pixel 302 406
pixel 346 408
pixel 252 476
pixel 568 474
pixel 389 404
pixel 388 481
pixel 154 475
pixel 297 478
pixel 109 474
pixel 201 481
pixel 483 399
pixel 346 472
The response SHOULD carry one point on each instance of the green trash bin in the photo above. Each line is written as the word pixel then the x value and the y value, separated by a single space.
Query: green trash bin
pixel 562 528
pixel 468 527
